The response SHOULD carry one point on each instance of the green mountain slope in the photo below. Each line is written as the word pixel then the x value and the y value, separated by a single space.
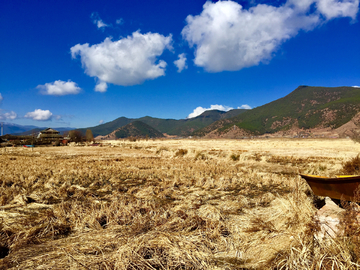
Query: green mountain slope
pixel 182 127
pixel 306 107
pixel 137 129
pixel 107 128
pixel 185 127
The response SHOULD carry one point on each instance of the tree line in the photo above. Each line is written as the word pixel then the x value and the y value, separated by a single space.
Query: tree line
pixel 78 136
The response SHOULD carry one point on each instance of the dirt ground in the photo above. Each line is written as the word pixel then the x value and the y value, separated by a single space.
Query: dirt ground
pixel 171 204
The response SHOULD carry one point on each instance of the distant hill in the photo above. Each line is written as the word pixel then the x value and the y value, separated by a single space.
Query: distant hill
pixel 14 129
pixel 36 131
pixel 182 127
pixel 107 128
pixel 10 128
pixel 305 108
pixel 137 129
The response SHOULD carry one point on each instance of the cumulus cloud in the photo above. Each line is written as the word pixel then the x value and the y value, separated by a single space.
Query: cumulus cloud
pixel 59 88
pixel 8 116
pixel 101 87
pixel 199 110
pixel 333 8
pixel 355 86
pixel 39 115
pixel 97 21
pixel 228 37
pixel 127 61
pixel 181 62
pixel 245 106
pixel 101 122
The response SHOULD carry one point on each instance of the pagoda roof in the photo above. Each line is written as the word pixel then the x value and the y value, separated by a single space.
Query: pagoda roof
pixel 49 130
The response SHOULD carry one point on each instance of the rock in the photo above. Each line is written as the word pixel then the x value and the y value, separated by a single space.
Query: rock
pixel 329 217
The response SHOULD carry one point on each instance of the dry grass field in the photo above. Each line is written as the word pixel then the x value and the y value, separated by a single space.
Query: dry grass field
pixel 171 204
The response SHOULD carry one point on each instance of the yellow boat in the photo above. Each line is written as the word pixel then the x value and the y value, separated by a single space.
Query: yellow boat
pixel 341 187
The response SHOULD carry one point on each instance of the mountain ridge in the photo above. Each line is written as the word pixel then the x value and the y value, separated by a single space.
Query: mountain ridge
pixel 181 127
pixel 305 108
pixel 15 129
pixel 137 129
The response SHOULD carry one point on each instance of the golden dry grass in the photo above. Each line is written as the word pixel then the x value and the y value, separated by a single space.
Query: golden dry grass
pixel 171 204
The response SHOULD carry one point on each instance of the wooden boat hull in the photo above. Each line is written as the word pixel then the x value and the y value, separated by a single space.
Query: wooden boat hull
pixel 341 188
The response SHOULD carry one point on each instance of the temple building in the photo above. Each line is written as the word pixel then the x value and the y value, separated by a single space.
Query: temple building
pixel 49 134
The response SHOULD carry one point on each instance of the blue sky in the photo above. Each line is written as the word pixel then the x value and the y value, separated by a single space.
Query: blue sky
pixel 81 63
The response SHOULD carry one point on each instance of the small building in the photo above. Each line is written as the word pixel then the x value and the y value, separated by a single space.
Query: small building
pixel 50 135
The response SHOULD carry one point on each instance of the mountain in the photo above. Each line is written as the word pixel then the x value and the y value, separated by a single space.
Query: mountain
pixel 10 128
pixel 137 129
pixel 15 129
pixel 107 128
pixel 36 131
pixel 185 127
pixel 305 108
pixel 182 127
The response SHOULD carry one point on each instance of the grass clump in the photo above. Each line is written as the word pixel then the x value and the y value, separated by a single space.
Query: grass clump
pixel 181 152
pixel 133 138
pixel 200 156
pixel 235 157
pixel 162 250
pixel 158 151
pixel 352 166
pixel 257 157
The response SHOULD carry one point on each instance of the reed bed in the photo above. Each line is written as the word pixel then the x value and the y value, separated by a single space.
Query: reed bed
pixel 171 204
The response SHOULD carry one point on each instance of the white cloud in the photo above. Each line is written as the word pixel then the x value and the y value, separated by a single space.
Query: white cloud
pixel 228 37
pixel 199 110
pixel 332 8
pixel 181 62
pixel 101 24
pixel 59 88
pixel 101 87
pixel 8 116
pixel 120 21
pixel 101 122
pixel 127 61
pixel 1 98
pixel 11 115
pixel 355 86
pixel 39 115
pixel 97 21
pixel 245 106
